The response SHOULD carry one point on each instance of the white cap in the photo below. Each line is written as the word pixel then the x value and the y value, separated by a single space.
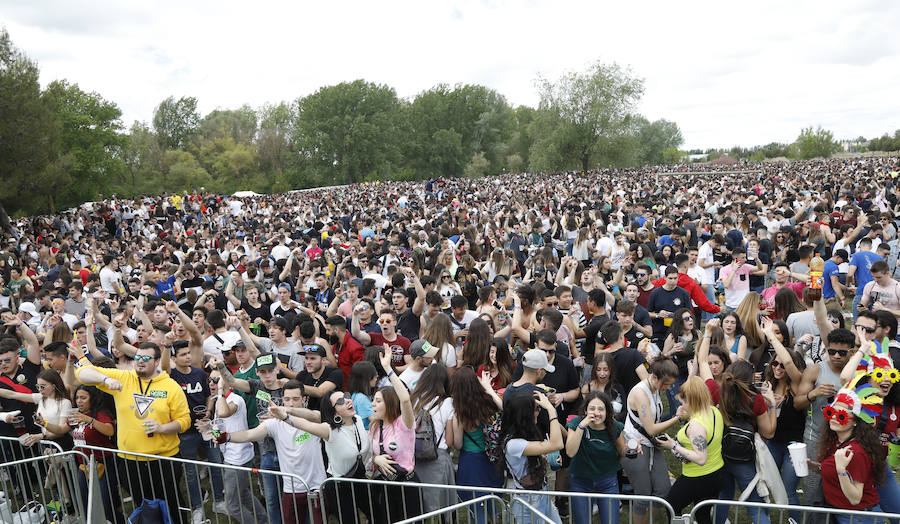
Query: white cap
pixel 537 359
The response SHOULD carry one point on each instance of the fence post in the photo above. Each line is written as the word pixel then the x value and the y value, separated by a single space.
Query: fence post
pixel 95 511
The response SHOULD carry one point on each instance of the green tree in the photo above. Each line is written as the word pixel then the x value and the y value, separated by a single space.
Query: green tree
pixel 29 136
pixel 274 139
pixel 176 121
pixel 90 132
pixel 348 131
pixel 239 124
pixel 813 143
pixel 655 138
pixel 477 166
pixel 595 105
pixel 143 158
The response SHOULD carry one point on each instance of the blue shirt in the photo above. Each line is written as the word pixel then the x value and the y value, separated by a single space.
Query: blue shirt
pixel 863 261
pixel 830 269
pixel 166 285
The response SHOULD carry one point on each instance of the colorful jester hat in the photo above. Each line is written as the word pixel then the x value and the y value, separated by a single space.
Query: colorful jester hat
pixel 861 397
pixel 878 364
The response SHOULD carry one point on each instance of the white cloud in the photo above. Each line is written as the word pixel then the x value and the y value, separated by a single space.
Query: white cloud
pixel 726 73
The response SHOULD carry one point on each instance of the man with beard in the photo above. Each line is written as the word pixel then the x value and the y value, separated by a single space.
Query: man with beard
pixel 151 411
pixel 318 378
pixel 347 349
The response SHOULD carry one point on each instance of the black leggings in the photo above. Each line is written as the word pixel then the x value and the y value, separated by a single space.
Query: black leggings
pixel 690 490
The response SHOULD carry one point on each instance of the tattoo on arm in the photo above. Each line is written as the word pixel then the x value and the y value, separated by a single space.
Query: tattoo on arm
pixel 699 443
pixel 643 411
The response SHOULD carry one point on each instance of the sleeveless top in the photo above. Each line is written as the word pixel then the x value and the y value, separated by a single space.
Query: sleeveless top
pixel 714 425
pixel 737 341
pixel 632 423
pixel 814 416
pixel 791 421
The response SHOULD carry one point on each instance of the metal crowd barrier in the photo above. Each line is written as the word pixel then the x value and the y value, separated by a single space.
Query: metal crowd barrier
pixel 142 476
pixel 41 489
pixel 808 514
pixel 381 501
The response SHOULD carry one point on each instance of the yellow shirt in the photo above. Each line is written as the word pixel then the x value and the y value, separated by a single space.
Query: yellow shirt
pixel 715 426
pixel 160 399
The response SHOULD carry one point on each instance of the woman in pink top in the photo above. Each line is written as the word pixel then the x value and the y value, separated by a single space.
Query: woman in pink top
pixel 392 428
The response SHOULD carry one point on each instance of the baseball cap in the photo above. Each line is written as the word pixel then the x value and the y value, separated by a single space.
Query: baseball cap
pixel 266 361
pixel 534 359
pixel 421 348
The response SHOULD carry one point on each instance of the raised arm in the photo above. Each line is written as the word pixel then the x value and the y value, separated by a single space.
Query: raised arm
pixel 229 294
pixel 358 333
pixel 319 429
pixel 784 356
pixel 555 443
pixel 29 341
pixel 235 383
pixel 863 352
pixel 821 316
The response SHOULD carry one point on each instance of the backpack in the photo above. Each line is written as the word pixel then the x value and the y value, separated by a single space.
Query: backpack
pixel 738 442
pixel 426 448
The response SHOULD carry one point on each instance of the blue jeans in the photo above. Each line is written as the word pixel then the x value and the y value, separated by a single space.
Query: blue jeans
pixel 269 460
pixel 540 502
pixel 711 295
pixel 581 506
pixel 742 474
pixel 189 448
pixel 855 306
pixel 214 456
pixel 845 519
pixel 670 394
pixel 789 478
pixel 889 494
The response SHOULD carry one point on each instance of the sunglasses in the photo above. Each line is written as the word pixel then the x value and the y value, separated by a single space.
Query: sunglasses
pixel 839 352
pixel 868 329
pixel 776 364
pixel 384 321
pixel 145 358
pixel 842 416
pixel 687 318
pixel 6 360
pixel 343 400
pixel 552 304
pixel 445 276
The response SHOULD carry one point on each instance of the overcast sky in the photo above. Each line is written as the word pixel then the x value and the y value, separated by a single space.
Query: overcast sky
pixel 727 73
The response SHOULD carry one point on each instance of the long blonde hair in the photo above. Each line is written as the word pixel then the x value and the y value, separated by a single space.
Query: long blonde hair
pixel 748 312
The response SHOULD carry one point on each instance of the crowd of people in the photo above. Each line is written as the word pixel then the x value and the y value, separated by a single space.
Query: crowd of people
pixel 650 332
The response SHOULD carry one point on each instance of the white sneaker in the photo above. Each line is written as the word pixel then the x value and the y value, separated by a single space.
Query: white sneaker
pixel 197 516
pixel 222 508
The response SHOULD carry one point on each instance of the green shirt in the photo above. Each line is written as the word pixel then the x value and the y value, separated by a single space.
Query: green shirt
pixel 249 400
pixel 597 456
pixel 474 441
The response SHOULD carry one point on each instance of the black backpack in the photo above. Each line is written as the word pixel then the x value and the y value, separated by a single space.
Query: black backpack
pixel 738 444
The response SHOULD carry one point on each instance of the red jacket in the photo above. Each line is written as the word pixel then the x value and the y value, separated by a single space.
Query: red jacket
pixel 351 352
pixel 691 286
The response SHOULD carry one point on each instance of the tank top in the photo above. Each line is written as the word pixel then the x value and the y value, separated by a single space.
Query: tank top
pixel 791 421
pixel 632 423
pixel 814 416
pixel 737 342
pixel 714 425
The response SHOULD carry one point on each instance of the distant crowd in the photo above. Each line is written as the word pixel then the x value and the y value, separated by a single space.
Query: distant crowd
pixel 568 332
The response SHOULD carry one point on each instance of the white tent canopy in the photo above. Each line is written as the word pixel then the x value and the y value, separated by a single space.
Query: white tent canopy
pixel 242 194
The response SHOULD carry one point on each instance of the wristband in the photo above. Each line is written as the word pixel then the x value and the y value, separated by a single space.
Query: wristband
pixel 807 397
pixel 554 418
pixel 844 474
pixel 390 373
pixel 104 380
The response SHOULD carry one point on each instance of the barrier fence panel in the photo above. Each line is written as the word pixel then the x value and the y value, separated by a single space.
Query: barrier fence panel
pixel 40 489
pixel 451 510
pixel 201 491
pixel 382 501
pixel 806 514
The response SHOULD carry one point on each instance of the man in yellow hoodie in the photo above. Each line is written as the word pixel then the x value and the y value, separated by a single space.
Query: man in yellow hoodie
pixel 151 411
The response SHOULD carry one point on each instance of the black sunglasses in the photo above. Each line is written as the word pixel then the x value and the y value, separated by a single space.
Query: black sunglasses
pixel 868 329
pixel 776 364
pixel 341 401
pixel 839 352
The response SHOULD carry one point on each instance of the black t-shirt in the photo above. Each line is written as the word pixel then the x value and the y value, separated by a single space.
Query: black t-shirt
pixel 564 378
pixel 590 337
pixel 329 374
pixel 263 311
pixel 408 325
pixel 758 280
pixel 634 337
pixel 196 389
pixel 626 361
pixel 262 406
pixel 664 300
pixel 24 380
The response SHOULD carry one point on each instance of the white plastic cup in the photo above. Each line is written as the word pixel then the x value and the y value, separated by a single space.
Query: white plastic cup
pixel 798 458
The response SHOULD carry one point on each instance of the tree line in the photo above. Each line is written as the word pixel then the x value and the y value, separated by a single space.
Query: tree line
pixel 61 145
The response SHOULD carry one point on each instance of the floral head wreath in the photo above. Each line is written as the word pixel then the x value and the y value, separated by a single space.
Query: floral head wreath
pixel 878 364
pixel 861 397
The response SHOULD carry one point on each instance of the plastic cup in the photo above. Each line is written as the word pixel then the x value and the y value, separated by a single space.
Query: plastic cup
pixel 667 321
pixel 798 458
pixel 894 455
pixel 203 425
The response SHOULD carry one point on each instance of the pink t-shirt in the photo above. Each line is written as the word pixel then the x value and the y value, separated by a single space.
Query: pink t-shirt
pixel 768 294
pixel 399 442
pixel 740 284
